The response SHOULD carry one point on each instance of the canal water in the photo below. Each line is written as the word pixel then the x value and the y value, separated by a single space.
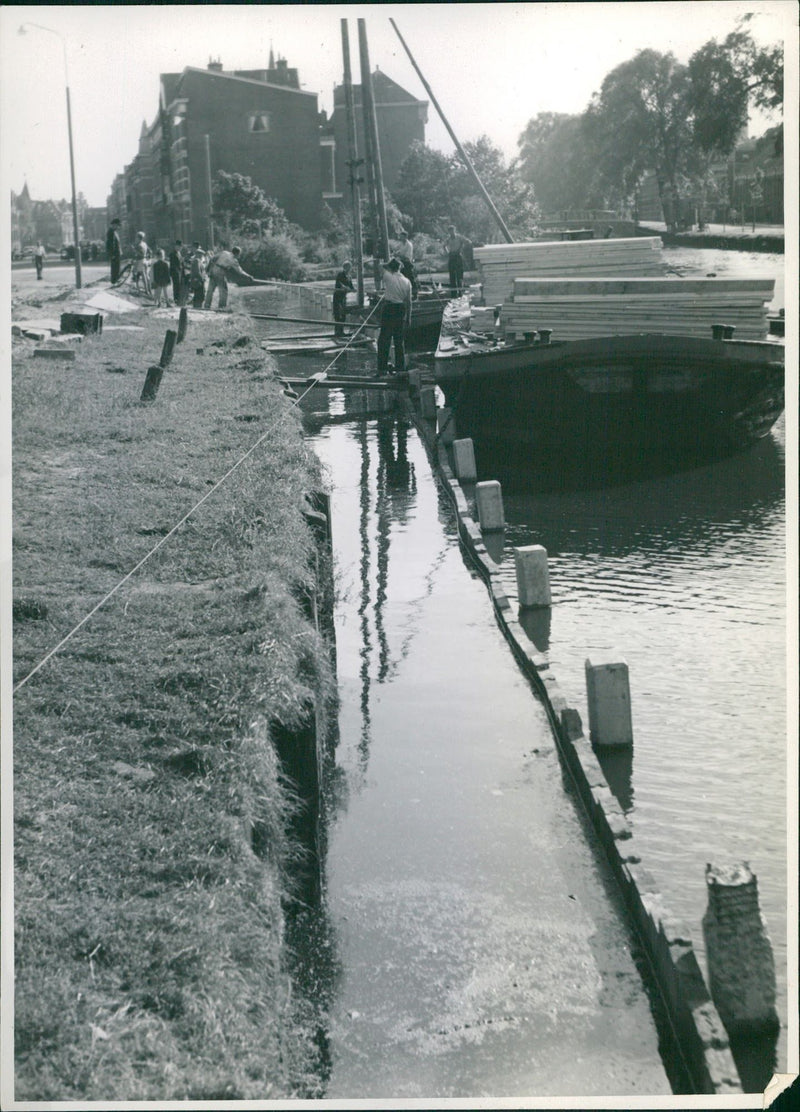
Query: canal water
pixel 685 575
pixel 480 949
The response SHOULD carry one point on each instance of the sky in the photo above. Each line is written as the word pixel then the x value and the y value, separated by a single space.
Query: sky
pixel 492 67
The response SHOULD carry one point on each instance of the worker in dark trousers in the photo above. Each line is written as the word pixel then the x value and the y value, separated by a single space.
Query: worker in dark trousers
pixel 114 249
pixel 455 261
pixel 395 317
pixel 176 273
pixel 343 283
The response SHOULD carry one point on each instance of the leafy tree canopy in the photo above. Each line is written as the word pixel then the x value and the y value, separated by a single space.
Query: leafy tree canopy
pixel 511 195
pixel 556 160
pixel 244 206
pixel 433 191
pixel 423 189
pixel 652 113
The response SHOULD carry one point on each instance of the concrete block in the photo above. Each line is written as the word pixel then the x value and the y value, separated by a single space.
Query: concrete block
pixel 499 595
pixel 67 354
pixel 533 576
pixel 571 725
pixel 427 403
pixel 464 459
pixel 741 965
pixel 489 500
pixel 618 825
pixel 609 698
pixel 445 425
pixel 590 766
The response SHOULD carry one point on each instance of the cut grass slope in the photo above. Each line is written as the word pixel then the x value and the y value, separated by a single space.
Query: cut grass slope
pixel 149 944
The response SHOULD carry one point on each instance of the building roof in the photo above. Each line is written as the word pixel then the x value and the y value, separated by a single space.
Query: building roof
pixel 384 91
pixel 174 88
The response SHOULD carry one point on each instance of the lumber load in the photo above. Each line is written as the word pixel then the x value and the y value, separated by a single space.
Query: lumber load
pixel 501 263
pixel 575 308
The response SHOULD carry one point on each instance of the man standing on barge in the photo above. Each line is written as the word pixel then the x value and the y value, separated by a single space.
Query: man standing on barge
pixel 343 283
pixel 395 317
pixel 455 260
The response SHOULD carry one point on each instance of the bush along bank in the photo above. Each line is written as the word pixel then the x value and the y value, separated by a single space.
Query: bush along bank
pixel 153 867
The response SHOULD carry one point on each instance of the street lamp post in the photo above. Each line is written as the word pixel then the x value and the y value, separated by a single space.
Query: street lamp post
pixel 23 29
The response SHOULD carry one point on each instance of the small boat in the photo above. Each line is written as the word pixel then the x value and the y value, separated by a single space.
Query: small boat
pixel 590 407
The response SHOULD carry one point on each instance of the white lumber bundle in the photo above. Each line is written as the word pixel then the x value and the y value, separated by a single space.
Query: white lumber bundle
pixel 501 263
pixel 582 308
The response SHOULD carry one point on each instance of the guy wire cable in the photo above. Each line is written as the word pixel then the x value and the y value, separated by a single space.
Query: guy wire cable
pixel 295 402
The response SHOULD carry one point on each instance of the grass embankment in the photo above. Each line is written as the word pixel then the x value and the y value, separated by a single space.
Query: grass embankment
pixel 151 854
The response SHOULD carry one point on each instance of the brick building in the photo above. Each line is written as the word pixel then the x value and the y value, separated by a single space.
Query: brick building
pixel 258 123
pixel 401 120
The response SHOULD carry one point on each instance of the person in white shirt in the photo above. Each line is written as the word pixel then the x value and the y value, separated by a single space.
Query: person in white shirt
pixel 223 264
pixel 395 317
pixel 141 257
pixel 405 253
pixel 38 257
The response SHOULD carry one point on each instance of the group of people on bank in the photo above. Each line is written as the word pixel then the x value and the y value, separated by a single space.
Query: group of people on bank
pixel 190 273
pixel 400 288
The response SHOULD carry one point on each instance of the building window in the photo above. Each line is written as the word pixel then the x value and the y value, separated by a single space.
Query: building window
pixel 258 122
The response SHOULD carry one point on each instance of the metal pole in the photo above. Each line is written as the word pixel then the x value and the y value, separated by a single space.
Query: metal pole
pixel 371 124
pixel 210 197
pixel 75 225
pixel 370 168
pixel 75 228
pixel 452 134
pixel 353 164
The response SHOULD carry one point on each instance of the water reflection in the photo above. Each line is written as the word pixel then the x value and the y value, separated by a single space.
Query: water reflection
pixel 537 623
pixel 617 766
pixel 386 498
pixel 674 512
pixel 365 651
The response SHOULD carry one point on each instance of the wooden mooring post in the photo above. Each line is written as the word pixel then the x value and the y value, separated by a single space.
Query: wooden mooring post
pixel 168 349
pixel 155 373
pixel 183 324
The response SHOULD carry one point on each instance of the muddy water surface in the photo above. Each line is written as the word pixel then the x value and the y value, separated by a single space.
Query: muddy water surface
pixel 479 950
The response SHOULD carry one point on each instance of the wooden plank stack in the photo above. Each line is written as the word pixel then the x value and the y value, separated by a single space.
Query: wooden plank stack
pixel 581 308
pixel 501 263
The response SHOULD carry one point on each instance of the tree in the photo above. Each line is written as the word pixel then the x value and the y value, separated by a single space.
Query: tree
pixel 556 160
pixel 726 78
pixel 244 207
pixel 423 191
pixel 511 195
pixel 653 113
pixel 433 191
pixel 639 121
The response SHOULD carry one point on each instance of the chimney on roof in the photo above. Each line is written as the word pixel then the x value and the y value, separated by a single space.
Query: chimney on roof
pixel 215 65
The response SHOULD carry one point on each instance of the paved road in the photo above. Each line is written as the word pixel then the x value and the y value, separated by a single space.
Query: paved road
pixel 24 280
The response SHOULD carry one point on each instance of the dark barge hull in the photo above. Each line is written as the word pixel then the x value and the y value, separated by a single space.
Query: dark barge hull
pixel 615 407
